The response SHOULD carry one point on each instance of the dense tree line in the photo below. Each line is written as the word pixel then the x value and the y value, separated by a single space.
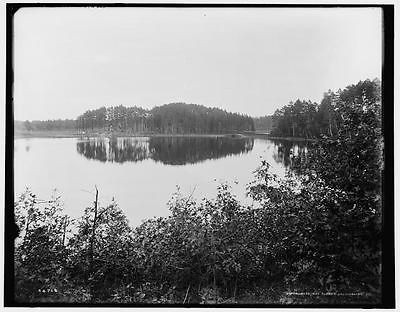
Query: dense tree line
pixel 174 118
pixel 310 120
pixel 298 119
pixel 118 118
pixel 45 125
pixel 192 118
pixel 263 124
pixel 317 231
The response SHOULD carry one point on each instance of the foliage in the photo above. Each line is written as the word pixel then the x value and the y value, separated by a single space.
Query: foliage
pixel 45 125
pixel 40 250
pixel 263 123
pixel 100 250
pixel 317 237
pixel 298 119
pixel 352 161
pixel 193 118
pixel 310 120
pixel 173 118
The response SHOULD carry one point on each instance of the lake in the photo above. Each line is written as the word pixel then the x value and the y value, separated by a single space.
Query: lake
pixel 141 173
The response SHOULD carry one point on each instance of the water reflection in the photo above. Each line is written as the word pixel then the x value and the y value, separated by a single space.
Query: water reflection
pixel 54 163
pixel 168 150
pixel 287 151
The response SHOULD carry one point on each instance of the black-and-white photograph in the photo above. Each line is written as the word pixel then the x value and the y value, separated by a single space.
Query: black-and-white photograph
pixel 198 155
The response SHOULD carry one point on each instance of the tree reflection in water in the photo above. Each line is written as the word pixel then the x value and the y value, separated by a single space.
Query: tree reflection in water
pixel 114 150
pixel 168 150
pixel 289 153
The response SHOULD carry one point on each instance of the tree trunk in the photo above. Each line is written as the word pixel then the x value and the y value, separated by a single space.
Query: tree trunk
pixel 64 230
pixel 92 241
pixel 214 273
pixel 234 291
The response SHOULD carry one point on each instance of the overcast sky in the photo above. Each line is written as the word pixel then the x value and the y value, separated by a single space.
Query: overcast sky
pixel 247 60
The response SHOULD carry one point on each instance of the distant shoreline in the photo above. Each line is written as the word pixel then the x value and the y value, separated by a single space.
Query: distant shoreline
pixel 72 134
pixel 66 134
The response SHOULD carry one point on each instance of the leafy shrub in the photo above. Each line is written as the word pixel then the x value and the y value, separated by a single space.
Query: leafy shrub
pixel 100 250
pixel 40 251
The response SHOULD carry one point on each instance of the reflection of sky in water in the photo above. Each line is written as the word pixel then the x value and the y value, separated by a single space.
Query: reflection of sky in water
pixel 142 188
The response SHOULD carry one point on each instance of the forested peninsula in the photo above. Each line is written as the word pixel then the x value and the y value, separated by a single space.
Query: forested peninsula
pixel 298 119
pixel 173 118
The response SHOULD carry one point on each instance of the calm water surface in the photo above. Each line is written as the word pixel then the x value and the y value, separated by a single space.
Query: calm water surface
pixel 141 173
